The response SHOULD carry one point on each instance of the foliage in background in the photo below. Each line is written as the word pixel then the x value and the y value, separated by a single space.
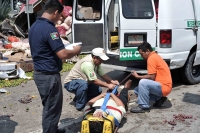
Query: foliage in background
pixel 4 9
pixel 15 82
pixel 18 81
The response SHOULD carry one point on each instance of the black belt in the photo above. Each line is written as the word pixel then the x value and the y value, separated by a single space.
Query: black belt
pixel 97 107
pixel 48 73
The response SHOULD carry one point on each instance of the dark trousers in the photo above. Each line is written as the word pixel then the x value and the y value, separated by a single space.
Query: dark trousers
pixel 124 96
pixel 50 89
pixel 83 91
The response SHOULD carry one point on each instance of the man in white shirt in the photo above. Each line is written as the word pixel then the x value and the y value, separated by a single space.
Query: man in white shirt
pixel 116 105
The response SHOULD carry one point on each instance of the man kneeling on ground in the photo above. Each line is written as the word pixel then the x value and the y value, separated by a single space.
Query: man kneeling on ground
pixel 83 81
pixel 154 86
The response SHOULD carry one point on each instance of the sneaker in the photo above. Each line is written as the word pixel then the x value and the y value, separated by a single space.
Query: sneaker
pixel 79 109
pixel 160 102
pixel 139 110
pixel 74 99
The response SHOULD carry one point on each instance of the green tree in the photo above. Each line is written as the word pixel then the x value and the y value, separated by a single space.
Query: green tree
pixel 4 9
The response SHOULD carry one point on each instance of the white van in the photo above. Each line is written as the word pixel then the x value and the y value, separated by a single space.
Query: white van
pixel 170 26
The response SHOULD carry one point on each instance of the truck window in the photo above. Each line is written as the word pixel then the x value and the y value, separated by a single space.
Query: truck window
pixel 138 9
pixel 89 9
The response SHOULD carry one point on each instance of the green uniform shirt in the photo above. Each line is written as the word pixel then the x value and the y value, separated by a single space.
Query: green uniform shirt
pixel 90 70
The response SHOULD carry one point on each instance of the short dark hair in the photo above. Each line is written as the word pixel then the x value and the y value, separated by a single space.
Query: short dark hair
pixel 52 5
pixel 95 56
pixel 144 46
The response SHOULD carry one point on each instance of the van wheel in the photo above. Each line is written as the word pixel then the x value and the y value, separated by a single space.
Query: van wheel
pixel 189 73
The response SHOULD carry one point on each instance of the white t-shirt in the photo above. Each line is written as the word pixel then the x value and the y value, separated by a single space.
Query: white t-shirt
pixel 112 103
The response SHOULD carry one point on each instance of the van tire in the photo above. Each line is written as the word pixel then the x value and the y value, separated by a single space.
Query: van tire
pixel 189 73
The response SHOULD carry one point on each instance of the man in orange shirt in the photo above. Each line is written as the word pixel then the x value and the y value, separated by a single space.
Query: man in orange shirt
pixel 154 86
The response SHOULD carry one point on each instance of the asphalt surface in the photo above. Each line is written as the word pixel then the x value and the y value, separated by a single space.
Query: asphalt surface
pixel 19 117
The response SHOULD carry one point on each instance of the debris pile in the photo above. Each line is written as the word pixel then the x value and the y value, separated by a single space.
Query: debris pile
pixel 11 39
pixel 14 33
pixel 64 25
pixel 26 99
pixel 14 38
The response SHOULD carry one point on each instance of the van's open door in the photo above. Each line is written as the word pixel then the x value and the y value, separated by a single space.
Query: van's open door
pixel 196 5
pixel 137 23
pixel 88 24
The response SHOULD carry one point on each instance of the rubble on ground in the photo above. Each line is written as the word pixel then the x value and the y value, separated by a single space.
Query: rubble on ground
pixel 14 35
pixel 26 99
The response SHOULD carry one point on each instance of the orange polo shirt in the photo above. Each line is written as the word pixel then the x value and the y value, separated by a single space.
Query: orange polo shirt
pixel 156 65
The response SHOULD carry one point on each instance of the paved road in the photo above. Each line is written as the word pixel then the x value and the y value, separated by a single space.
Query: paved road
pixel 16 117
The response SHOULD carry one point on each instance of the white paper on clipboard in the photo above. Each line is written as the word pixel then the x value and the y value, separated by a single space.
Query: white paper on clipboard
pixel 71 45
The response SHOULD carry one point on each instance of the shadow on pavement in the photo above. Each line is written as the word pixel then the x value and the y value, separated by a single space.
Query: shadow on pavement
pixel 166 105
pixel 7 125
pixel 123 121
pixel 191 98
pixel 71 125
pixel 176 78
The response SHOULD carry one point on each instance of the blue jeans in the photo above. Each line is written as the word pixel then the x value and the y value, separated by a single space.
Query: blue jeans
pixel 83 91
pixel 148 90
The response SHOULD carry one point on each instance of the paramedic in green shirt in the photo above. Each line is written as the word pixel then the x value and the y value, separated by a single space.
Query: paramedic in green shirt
pixel 82 79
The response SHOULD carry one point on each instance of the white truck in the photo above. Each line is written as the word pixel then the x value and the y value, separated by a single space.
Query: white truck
pixel 170 26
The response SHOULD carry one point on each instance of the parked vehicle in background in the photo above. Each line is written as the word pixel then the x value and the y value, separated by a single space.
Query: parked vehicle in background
pixel 171 27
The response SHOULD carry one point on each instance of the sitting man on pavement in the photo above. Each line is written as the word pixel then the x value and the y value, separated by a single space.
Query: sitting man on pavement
pixel 82 79
pixel 154 86
pixel 116 105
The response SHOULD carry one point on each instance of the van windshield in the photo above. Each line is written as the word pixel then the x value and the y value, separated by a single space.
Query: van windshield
pixel 138 9
pixel 89 9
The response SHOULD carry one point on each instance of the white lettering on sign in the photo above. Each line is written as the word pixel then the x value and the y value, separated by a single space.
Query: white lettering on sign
pixel 130 54
pixel 126 54
pixel 137 54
